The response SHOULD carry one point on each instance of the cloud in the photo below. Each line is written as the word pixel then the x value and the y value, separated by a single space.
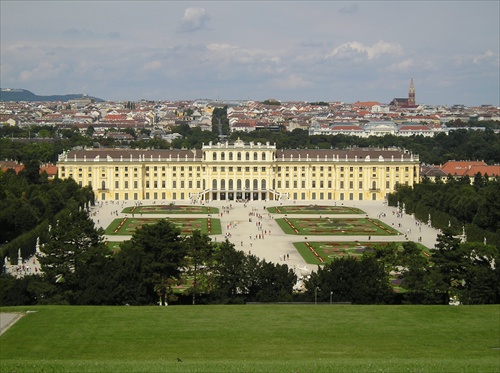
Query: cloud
pixel 153 65
pixel 292 81
pixel 358 51
pixel 402 66
pixel 79 33
pixel 84 33
pixel 348 9
pixel 194 19
pixel 485 58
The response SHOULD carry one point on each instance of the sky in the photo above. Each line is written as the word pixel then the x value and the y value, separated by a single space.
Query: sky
pixel 254 50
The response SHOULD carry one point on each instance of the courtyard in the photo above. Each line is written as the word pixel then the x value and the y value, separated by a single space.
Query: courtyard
pixel 127 225
pixel 253 228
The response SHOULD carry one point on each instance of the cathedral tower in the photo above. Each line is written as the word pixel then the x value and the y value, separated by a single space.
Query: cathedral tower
pixel 411 94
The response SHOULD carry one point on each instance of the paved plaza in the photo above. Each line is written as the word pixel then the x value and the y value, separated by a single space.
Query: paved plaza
pixel 242 223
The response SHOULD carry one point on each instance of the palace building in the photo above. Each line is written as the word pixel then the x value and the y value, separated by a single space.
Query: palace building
pixel 240 171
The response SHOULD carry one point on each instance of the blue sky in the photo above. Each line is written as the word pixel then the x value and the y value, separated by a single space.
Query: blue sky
pixel 286 50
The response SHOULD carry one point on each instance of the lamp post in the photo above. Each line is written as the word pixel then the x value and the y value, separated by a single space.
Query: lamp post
pixel 331 294
pixel 316 295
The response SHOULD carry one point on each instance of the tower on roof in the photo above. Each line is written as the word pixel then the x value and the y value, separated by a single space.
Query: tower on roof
pixel 411 94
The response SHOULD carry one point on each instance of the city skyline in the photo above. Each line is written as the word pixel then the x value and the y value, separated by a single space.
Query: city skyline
pixel 289 51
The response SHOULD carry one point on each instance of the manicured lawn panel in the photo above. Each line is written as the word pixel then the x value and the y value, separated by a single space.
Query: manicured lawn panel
pixel 335 227
pixel 306 254
pixel 127 226
pixel 265 338
pixel 312 251
pixel 314 209
pixel 170 209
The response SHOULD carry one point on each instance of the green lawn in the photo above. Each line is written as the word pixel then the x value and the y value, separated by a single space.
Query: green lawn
pixel 127 226
pixel 335 226
pixel 170 209
pixel 314 209
pixel 311 252
pixel 253 338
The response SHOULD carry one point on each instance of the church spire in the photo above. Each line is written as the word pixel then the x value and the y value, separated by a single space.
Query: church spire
pixel 411 94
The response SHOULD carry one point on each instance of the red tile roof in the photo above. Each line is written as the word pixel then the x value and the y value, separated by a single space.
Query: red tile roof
pixel 460 168
pixel 489 170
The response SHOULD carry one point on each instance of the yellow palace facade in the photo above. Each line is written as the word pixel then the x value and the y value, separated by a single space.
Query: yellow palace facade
pixel 240 171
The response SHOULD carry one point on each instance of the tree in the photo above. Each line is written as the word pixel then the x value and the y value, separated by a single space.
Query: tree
pixel 360 281
pixel 229 271
pixel 417 279
pixel 270 282
pixel 160 253
pixel 200 251
pixel 448 264
pixel 481 279
pixel 73 242
pixel 90 131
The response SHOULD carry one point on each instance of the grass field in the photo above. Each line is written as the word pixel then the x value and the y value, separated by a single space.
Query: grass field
pixel 314 209
pixel 335 227
pixel 127 226
pixel 253 338
pixel 170 209
pixel 325 252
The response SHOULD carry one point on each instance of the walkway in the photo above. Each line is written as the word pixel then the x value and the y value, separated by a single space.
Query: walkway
pixel 276 245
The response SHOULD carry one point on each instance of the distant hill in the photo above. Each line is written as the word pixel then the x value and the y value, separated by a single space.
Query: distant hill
pixel 11 94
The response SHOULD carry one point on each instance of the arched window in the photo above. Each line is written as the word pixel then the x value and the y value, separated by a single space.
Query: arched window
pixel 230 183
pixel 263 156
pixel 263 184
pixel 255 184
pixel 222 156
pixel 238 184
pixel 247 156
pixel 223 184
pixel 255 156
pixel 374 185
pixel 103 185
pixel 230 156
pixel 238 156
pixel 247 184
pixel 214 156
pixel 214 184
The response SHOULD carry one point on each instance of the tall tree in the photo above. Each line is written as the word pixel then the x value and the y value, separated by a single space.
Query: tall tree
pixel 417 279
pixel 360 281
pixel 230 282
pixel 161 253
pixel 481 280
pixel 73 242
pixel 200 251
pixel 448 260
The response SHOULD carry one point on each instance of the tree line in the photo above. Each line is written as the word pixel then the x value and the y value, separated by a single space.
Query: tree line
pixel 456 204
pixel 460 144
pixel 160 266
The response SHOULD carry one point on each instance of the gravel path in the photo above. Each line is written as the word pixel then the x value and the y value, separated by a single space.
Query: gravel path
pixel 7 320
pixel 236 225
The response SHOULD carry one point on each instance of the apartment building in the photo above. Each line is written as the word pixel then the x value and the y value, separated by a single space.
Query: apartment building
pixel 240 171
